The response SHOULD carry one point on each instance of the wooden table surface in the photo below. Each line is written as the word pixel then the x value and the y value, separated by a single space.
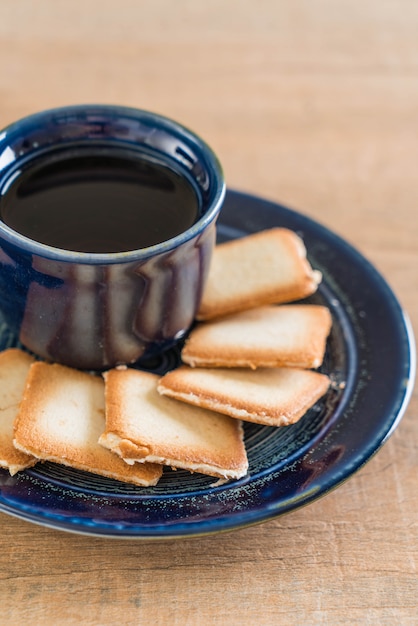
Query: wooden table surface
pixel 311 103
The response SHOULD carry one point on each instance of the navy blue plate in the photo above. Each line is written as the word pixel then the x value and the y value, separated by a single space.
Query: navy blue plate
pixel 370 359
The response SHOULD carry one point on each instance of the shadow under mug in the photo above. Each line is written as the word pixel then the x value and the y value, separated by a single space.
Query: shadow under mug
pixel 98 310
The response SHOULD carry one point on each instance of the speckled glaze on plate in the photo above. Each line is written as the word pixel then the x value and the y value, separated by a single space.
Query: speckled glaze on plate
pixel 370 358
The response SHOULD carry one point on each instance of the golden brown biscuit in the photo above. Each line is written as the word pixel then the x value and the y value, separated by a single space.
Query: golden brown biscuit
pixel 142 425
pixel 61 418
pixel 292 335
pixel 268 267
pixel 275 397
pixel 14 368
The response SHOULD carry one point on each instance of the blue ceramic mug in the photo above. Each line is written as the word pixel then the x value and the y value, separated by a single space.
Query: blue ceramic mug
pixel 95 310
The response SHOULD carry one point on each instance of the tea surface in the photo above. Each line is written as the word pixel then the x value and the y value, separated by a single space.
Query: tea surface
pixel 98 200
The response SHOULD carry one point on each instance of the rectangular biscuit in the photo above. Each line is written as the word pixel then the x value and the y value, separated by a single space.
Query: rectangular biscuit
pixel 268 267
pixel 290 335
pixel 14 369
pixel 274 397
pixel 142 425
pixel 61 417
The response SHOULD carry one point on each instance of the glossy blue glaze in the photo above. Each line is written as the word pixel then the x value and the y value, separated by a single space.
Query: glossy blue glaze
pixel 370 358
pixel 93 311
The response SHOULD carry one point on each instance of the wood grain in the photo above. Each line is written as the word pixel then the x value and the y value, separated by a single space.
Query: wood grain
pixel 314 105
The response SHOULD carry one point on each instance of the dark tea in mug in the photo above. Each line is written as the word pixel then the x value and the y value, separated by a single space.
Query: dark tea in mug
pixel 98 200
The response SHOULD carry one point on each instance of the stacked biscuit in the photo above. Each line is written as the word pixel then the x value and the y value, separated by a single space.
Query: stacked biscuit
pixel 250 357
